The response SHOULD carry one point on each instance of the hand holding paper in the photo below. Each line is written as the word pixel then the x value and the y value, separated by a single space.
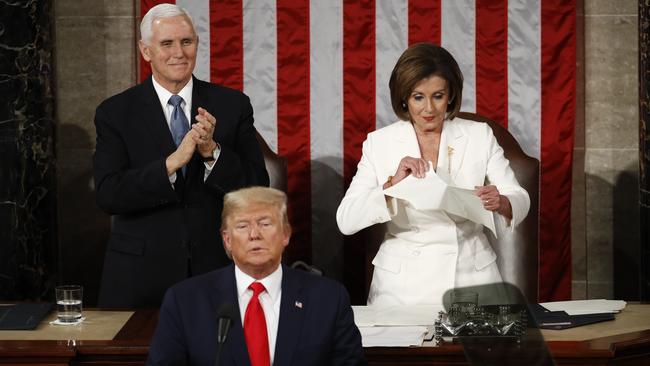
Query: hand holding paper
pixel 432 193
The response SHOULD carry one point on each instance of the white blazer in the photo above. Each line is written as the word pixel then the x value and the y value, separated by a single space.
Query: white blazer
pixel 425 254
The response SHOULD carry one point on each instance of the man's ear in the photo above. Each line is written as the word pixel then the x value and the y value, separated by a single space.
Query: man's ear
pixel 226 243
pixel 144 51
pixel 287 236
pixel 226 239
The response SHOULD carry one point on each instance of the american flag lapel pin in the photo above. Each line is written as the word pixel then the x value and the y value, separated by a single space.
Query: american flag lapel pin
pixel 298 304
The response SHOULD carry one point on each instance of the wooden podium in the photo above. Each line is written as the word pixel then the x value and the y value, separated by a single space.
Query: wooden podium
pixel 122 338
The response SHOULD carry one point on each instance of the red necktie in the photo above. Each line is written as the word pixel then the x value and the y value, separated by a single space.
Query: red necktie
pixel 255 329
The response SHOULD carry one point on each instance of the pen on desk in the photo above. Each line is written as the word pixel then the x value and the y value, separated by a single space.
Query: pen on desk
pixel 556 323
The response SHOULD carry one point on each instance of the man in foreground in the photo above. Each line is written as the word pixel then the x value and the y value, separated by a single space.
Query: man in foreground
pixel 289 317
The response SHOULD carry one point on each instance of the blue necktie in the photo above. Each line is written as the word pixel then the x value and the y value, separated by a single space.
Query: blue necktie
pixel 178 121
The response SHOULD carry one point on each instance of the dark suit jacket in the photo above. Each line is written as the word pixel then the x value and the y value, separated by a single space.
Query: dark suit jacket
pixel 161 233
pixel 322 332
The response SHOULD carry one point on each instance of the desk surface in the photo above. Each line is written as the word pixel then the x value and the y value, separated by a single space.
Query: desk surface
pixel 626 338
pixel 634 318
pixel 98 325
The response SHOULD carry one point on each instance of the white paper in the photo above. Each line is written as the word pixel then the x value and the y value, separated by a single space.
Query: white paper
pixel 581 307
pixel 365 316
pixel 392 336
pixel 432 193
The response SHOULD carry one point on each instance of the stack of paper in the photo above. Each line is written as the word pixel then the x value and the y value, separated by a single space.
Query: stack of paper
pixel 582 307
pixel 392 336
pixel 398 326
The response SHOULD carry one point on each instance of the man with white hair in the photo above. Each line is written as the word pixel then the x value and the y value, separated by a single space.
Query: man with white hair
pixel 278 316
pixel 167 152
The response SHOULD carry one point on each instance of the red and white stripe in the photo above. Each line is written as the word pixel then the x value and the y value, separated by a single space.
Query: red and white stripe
pixel 317 73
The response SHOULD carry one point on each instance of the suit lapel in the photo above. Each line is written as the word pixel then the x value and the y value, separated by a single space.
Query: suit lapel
pixel 292 310
pixel 405 144
pixel 154 118
pixel 198 100
pixel 235 349
pixel 453 144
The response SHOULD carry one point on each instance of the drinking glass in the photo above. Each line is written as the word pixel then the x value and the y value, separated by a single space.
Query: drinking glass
pixel 69 303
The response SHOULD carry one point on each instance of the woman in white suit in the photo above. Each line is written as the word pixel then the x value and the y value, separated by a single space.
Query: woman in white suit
pixel 426 253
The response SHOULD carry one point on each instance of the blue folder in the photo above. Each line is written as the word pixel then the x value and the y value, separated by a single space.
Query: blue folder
pixel 23 316
pixel 547 319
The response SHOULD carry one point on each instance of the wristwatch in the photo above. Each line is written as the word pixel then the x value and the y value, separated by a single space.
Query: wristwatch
pixel 215 154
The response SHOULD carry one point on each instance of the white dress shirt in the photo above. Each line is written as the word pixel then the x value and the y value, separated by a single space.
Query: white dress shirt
pixel 269 299
pixel 186 105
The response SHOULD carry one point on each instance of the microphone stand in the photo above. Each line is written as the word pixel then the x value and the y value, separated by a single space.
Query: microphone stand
pixel 222 333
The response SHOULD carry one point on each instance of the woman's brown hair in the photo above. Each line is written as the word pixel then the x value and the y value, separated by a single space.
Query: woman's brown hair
pixel 418 62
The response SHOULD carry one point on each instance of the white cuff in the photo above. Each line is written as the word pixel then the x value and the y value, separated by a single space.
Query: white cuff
pixel 208 167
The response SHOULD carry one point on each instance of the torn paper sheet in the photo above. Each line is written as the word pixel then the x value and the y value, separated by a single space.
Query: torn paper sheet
pixel 432 193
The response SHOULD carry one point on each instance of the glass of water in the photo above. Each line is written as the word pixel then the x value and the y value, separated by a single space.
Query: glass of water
pixel 69 302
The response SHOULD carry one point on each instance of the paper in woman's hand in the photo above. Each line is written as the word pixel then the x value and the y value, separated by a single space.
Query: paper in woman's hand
pixel 432 193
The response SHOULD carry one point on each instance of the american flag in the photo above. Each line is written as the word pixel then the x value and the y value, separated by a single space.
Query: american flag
pixel 317 74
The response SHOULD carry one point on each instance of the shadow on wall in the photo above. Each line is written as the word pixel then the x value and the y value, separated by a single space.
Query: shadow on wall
pixel 327 240
pixel 626 236
pixel 82 227
pixel 342 258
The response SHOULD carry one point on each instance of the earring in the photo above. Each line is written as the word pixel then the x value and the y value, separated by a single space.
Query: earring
pixel 403 105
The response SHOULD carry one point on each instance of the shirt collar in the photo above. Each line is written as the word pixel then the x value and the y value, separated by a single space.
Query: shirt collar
pixel 272 283
pixel 164 94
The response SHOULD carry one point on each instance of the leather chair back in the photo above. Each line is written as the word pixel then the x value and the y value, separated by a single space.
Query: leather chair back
pixel 276 165
pixel 518 251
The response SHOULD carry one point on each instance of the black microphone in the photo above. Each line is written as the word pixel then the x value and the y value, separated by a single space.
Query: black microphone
pixel 225 315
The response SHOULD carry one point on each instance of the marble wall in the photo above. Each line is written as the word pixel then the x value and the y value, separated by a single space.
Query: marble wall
pixel 606 212
pixel 95 47
pixel 644 146
pixel 27 159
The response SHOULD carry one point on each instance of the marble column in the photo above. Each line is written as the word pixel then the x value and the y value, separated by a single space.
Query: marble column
pixel 27 159
pixel 644 146
pixel 95 58
pixel 611 150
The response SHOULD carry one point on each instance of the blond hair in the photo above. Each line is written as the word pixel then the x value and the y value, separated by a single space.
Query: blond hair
pixel 241 199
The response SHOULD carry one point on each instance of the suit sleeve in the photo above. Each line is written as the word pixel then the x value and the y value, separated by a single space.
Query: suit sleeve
pixel 347 350
pixel 501 175
pixel 364 203
pixel 168 346
pixel 121 188
pixel 242 164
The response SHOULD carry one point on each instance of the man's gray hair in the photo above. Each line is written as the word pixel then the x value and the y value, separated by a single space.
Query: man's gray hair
pixel 161 11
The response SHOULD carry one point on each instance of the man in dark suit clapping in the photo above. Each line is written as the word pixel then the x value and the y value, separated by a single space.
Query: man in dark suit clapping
pixel 167 151
pixel 280 316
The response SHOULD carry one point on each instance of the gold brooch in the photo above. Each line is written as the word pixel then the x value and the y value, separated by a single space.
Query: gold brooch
pixel 450 152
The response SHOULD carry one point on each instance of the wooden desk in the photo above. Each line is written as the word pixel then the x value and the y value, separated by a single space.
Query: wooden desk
pixel 128 347
pixel 625 341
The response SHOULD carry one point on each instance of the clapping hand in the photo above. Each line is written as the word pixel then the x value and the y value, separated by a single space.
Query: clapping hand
pixel 204 128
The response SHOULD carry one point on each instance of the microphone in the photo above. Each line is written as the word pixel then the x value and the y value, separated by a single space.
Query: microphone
pixel 225 315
